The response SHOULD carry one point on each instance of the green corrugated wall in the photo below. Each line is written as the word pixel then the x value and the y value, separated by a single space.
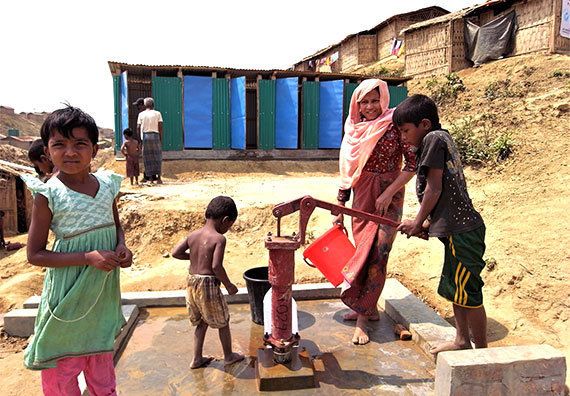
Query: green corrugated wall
pixel 167 94
pixel 221 113
pixel 310 115
pixel 266 114
pixel 117 103
pixel 348 90
pixel 397 95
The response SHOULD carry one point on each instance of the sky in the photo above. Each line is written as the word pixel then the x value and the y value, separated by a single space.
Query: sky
pixel 56 51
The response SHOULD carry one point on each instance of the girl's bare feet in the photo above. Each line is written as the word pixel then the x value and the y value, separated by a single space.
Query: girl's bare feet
pixel 360 336
pixel 448 346
pixel 233 358
pixel 203 361
pixel 354 316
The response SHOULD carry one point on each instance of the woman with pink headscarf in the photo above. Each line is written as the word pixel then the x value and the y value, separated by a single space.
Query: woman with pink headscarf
pixel 370 164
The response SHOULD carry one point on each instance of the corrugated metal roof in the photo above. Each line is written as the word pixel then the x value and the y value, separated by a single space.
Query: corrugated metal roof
pixel 369 31
pixel 455 15
pixel 117 67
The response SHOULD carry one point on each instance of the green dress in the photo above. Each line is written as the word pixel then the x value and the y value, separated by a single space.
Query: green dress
pixel 80 309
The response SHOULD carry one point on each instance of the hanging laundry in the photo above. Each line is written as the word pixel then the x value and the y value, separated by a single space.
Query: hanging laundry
pixel 334 57
pixel 396 45
pixel 311 64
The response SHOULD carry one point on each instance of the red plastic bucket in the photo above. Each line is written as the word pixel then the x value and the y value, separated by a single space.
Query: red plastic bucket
pixel 329 253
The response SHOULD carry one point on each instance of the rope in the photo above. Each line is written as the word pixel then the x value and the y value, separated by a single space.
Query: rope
pixel 86 313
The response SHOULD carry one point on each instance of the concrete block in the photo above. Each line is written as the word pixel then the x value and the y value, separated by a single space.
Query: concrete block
pixel 20 322
pixel 513 370
pixel 177 298
pixel 169 298
pixel 32 302
pixel 131 313
pixel 297 374
pixel 428 328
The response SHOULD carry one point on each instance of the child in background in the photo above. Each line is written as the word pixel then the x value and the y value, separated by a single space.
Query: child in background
pixel 131 151
pixel 206 304
pixel 80 311
pixel 442 192
pixel 42 164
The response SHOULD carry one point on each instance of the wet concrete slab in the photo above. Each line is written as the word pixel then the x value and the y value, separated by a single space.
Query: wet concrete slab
pixel 156 360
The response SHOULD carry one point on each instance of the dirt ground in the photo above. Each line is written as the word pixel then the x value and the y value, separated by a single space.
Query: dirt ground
pixel 524 201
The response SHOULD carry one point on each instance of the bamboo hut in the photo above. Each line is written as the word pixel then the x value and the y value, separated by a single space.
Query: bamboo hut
pixel 437 46
pixel 15 198
pixel 367 46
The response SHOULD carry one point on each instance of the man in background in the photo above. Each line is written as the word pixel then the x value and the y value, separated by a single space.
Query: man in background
pixel 149 127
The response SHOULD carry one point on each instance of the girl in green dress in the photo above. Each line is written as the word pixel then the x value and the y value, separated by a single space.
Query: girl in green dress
pixel 80 310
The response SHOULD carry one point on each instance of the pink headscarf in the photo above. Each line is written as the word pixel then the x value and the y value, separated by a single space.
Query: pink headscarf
pixel 360 137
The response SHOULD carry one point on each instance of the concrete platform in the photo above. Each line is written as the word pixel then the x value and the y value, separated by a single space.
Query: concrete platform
pixel 157 358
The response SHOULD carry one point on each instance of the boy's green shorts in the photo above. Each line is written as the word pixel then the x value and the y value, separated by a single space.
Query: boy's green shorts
pixel 461 281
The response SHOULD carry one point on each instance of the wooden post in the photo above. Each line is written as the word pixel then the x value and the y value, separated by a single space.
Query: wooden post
pixel 554 30
pixel 450 45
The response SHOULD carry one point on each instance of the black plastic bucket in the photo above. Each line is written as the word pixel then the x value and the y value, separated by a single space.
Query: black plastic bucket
pixel 257 282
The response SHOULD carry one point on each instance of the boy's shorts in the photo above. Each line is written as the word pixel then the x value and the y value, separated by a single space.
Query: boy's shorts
pixel 205 301
pixel 460 281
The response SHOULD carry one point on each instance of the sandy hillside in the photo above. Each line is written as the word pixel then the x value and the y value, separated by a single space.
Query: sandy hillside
pixel 524 201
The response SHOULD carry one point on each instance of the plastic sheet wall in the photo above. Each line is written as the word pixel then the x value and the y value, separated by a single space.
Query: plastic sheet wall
pixel 117 107
pixel 286 113
pixel 331 95
pixel 198 118
pixel 124 105
pixel 237 112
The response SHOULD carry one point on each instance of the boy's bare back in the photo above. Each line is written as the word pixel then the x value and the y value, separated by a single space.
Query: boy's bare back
pixel 131 148
pixel 206 248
